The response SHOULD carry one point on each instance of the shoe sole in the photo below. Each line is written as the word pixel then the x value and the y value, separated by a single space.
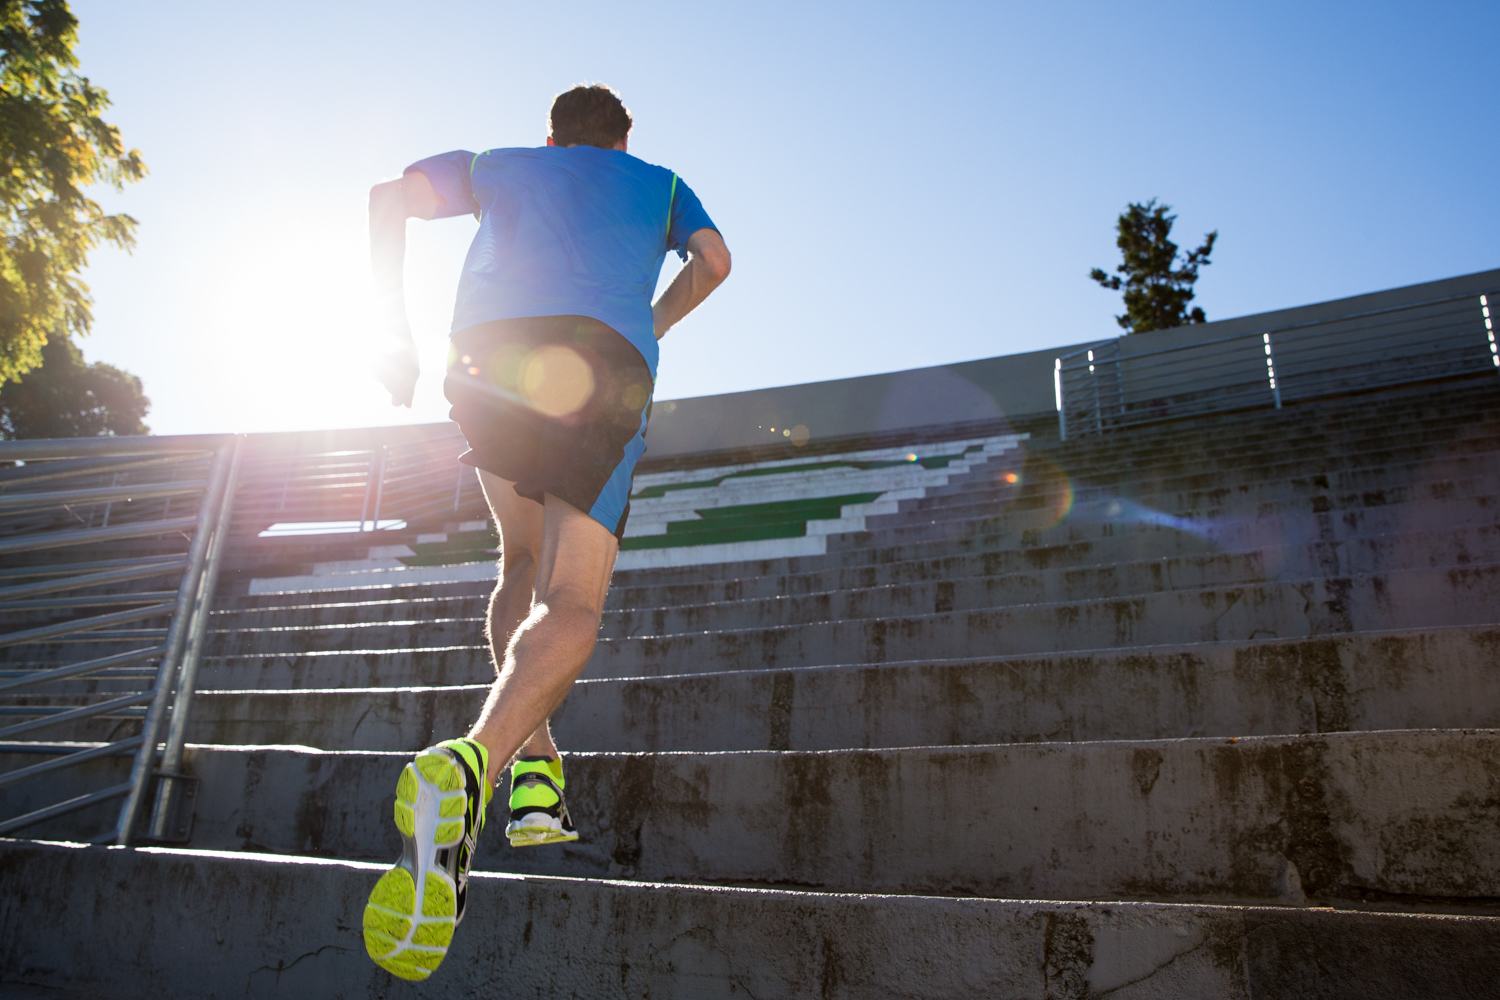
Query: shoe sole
pixel 410 917
pixel 537 829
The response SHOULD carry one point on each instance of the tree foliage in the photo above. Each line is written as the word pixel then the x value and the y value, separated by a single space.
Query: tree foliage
pixel 53 146
pixel 64 397
pixel 1157 288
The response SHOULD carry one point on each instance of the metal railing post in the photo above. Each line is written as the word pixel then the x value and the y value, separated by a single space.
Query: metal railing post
pixel 145 757
pixel 1098 410
pixel 373 489
pixel 187 675
pixel 1271 371
pixel 1057 387
pixel 1489 330
pixel 379 489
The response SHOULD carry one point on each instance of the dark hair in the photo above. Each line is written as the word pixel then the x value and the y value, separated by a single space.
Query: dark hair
pixel 588 116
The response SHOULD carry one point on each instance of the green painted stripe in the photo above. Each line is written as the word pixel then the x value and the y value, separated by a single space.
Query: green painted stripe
pixel 449 558
pixel 927 462
pixel 671 199
pixel 807 507
pixel 753 533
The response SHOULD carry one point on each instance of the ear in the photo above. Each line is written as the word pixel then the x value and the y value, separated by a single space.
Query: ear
pixel 549 141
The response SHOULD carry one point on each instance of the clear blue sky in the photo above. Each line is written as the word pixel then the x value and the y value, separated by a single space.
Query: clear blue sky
pixel 901 184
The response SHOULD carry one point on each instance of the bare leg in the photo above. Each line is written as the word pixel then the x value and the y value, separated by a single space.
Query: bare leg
pixel 519 524
pixel 550 647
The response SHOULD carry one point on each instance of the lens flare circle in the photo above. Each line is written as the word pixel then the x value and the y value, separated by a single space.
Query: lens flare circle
pixel 556 381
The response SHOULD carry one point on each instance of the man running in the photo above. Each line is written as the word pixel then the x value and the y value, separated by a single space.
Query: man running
pixel 551 371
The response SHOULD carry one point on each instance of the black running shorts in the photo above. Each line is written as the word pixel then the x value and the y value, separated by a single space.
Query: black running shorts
pixel 555 404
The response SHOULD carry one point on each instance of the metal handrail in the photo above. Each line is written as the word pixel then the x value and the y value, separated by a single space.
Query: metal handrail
pixel 77 714
pixel 141 767
pixel 60 501
pixel 152 487
pixel 187 674
pixel 68 760
pixel 71 805
pixel 84 624
pixel 93 536
pixel 36 678
pixel 1104 385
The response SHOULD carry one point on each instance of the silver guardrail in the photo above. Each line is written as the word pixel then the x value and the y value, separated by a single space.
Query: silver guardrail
pixel 110 555
pixel 387 477
pixel 1125 382
pixel 107 564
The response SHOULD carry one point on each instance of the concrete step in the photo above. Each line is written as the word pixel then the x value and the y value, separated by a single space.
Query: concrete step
pixel 1189 468
pixel 1460 584
pixel 1364 817
pixel 1084 568
pixel 1437 678
pixel 1039 530
pixel 1202 494
pixel 209 925
pixel 1341 450
pixel 1155 543
pixel 1409 599
pixel 1362 424
pixel 1256 498
pixel 1400 599
pixel 1299 520
pixel 1077 538
pixel 381 666
pixel 1277 463
pixel 1320 606
pixel 1120 564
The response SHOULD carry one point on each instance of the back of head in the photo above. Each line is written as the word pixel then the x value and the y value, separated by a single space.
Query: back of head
pixel 589 116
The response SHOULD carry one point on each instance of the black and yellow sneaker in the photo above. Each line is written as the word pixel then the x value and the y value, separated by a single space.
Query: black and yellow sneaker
pixel 440 801
pixel 538 813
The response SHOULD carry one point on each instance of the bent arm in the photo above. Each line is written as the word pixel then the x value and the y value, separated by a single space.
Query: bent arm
pixel 707 267
pixel 391 204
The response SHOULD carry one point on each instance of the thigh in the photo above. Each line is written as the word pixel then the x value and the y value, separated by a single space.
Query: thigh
pixel 577 557
pixel 518 520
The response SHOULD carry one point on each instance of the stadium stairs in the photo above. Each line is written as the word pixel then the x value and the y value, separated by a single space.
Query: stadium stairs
pixel 1205 709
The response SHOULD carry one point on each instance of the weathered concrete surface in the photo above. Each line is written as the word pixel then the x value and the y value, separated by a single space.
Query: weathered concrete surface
pixel 1456 595
pixel 1052 573
pixel 1362 681
pixel 1212 530
pixel 1400 599
pixel 200 925
pixel 387 665
pixel 1415 599
pixel 1127 563
pixel 1447 595
pixel 1439 678
pixel 1058 524
pixel 1365 816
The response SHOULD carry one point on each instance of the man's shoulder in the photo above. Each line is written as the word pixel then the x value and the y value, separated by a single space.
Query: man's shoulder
pixel 587 156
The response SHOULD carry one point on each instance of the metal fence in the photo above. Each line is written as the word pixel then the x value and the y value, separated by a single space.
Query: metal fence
pixel 365 480
pixel 110 550
pixel 1125 382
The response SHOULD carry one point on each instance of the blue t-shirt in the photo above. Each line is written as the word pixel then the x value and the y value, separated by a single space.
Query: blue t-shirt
pixel 565 231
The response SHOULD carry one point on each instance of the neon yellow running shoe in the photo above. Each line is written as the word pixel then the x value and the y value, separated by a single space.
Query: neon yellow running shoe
pixel 538 813
pixel 440 801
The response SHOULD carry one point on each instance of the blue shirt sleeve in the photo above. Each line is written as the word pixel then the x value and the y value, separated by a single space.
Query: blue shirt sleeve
pixel 450 174
pixel 688 217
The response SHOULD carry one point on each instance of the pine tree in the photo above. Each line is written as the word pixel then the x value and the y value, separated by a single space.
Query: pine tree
pixel 1157 289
